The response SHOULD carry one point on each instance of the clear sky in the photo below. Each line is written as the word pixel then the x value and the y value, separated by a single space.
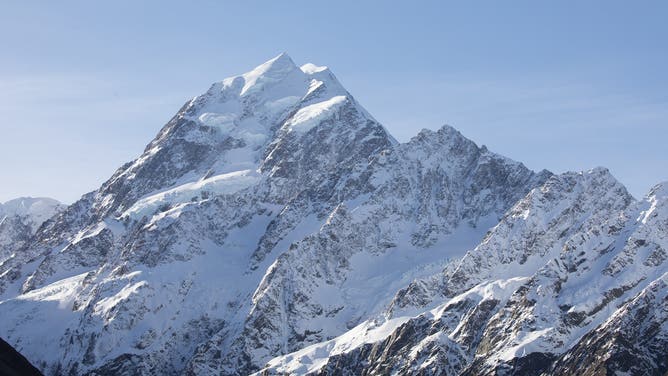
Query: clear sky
pixel 562 85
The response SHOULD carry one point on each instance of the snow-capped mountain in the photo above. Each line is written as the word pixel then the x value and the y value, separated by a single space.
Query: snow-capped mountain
pixel 571 281
pixel 19 220
pixel 273 224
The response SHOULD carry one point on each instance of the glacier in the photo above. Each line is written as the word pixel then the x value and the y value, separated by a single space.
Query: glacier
pixel 273 226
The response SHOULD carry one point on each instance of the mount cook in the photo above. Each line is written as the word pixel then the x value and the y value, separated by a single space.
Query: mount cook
pixel 274 226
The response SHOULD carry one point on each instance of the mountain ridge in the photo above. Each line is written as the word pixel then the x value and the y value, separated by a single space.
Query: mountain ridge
pixel 273 224
pixel 20 218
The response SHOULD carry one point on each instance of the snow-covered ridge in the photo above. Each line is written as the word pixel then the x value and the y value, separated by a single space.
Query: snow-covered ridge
pixel 37 209
pixel 235 123
pixel 20 218
pixel 581 250
pixel 272 71
pixel 313 358
pixel 274 224
pixel 228 183
pixel 312 115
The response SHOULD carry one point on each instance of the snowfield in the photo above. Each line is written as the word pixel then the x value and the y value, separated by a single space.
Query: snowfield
pixel 273 226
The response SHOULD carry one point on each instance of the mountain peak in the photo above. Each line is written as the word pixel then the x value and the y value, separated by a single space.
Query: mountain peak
pixel 659 191
pixel 310 68
pixel 240 122
pixel 31 211
pixel 271 71
pixel 446 135
pixel 273 213
pixel 281 62
pixel 449 129
pixel 28 205
pixel 598 170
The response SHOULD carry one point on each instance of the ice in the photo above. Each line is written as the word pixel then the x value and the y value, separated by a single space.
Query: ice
pixel 310 116
pixel 220 184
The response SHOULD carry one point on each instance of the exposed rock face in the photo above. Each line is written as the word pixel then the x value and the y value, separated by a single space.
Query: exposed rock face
pixel 274 225
pixel 414 199
pixel 632 341
pixel 580 269
pixel 19 220
pixel 14 364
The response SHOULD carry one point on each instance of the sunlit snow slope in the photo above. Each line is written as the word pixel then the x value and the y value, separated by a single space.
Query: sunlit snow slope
pixel 274 225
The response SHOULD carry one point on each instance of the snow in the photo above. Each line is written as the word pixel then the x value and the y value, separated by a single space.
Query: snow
pixel 61 291
pixel 282 104
pixel 220 184
pixel 267 73
pixel 525 343
pixel 35 321
pixel 310 68
pixel 534 215
pixel 375 278
pixel 224 122
pixel 657 195
pixel 313 86
pixel 104 305
pixel 500 289
pixel 314 357
pixel 38 209
pixel 34 207
pixel 424 217
pixel 310 116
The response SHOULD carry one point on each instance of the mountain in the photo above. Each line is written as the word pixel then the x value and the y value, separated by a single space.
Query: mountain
pixel 274 225
pixel 571 281
pixel 19 220
pixel 14 364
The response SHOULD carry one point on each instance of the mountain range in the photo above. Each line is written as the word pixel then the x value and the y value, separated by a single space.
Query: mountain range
pixel 273 226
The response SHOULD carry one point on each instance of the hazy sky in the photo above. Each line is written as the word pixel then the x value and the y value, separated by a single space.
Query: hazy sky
pixel 566 85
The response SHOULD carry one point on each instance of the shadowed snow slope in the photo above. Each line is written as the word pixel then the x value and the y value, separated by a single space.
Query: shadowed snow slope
pixel 273 224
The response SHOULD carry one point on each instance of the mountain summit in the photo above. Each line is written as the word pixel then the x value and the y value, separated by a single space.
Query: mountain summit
pixel 273 225
pixel 242 126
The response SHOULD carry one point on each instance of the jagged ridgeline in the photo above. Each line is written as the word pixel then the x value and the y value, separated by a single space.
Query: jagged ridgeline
pixel 274 226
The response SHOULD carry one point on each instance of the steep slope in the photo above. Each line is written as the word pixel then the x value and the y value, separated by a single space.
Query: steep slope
pixel 19 220
pixel 635 337
pixel 272 189
pixel 634 340
pixel 423 202
pixel 211 171
pixel 273 223
pixel 583 295
pixel 14 364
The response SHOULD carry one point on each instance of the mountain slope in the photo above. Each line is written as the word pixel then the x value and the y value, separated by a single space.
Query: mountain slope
pixel 584 295
pixel 195 203
pixel 273 223
pixel 222 199
pixel 227 198
pixel 633 340
pixel 19 220
pixel 418 212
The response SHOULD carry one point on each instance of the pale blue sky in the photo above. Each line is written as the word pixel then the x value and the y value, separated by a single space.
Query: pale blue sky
pixel 84 86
